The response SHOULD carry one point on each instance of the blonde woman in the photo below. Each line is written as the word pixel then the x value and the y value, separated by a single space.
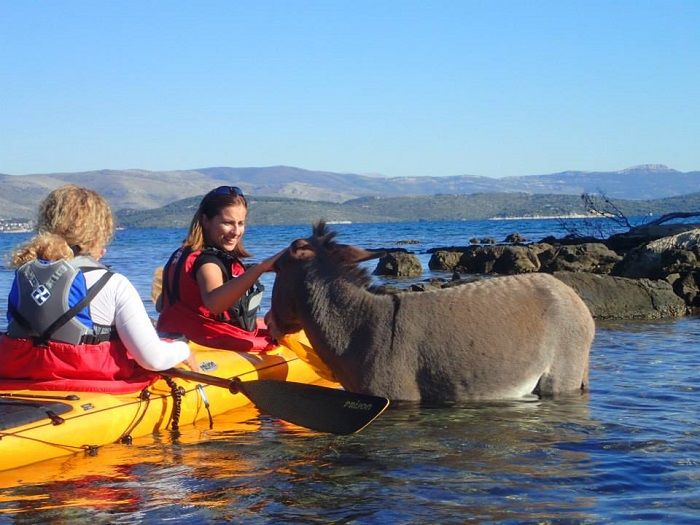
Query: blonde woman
pixel 209 295
pixel 73 324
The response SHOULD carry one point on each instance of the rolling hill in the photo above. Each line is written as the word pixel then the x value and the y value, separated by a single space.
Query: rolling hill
pixel 142 190
pixel 276 210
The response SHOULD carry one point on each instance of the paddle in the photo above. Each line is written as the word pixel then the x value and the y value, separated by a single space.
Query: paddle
pixel 318 408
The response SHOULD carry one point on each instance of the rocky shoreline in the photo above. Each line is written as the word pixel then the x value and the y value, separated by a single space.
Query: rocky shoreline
pixel 650 272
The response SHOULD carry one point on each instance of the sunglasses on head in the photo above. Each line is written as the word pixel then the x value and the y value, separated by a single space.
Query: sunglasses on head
pixel 229 190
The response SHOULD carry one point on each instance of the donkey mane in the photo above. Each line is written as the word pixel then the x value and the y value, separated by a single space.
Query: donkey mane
pixel 334 260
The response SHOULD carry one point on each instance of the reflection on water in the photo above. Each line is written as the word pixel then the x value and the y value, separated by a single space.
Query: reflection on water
pixel 416 464
pixel 627 451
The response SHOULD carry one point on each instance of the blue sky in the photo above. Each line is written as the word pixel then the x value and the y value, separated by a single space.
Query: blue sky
pixel 494 88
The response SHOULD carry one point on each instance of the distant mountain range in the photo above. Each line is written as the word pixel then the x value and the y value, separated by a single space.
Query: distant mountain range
pixel 132 190
pixel 278 210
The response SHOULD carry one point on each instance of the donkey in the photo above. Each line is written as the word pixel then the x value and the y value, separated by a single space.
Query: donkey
pixel 499 338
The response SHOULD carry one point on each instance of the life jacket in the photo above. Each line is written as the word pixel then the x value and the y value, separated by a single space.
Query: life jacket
pixel 52 342
pixel 183 313
pixel 50 300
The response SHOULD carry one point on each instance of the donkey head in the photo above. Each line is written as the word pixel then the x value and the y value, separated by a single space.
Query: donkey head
pixel 307 263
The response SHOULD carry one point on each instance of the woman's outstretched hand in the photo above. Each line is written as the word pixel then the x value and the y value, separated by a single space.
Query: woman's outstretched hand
pixel 192 363
pixel 268 265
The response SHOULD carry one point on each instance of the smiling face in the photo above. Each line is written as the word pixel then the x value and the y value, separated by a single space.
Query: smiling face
pixel 224 230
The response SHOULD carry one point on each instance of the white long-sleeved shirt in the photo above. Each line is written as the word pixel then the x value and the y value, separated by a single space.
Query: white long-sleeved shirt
pixel 120 305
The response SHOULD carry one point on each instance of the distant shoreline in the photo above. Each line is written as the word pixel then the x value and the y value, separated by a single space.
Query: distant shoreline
pixel 548 217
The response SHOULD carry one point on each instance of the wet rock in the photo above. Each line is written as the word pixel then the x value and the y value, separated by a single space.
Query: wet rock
pixel 399 264
pixel 610 297
pixel 465 280
pixel 444 260
pixel 658 279
pixel 657 259
pixel 483 240
pixel 515 238
pixel 688 288
pixel 516 259
pixel 587 257
pixel 643 235
pixel 385 289
pixel 501 259
pixel 425 286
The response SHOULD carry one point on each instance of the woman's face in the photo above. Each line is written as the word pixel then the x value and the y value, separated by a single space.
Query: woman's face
pixel 224 231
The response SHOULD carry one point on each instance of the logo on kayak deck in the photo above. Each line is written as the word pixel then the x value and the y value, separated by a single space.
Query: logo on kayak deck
pixel 357 405
pixel 208 366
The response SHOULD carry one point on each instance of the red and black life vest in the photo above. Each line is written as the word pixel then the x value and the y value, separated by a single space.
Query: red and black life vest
pixel 184 314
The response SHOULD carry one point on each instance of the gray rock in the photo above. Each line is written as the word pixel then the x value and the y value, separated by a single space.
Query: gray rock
pixel 642 235
pixel 444 260
pixel 399 264
pixel 610 297
pixel 675 254
pixel 516 259
pixel 688 287
pixel 683 241
pixel 588 257
pixel 501 259
pixel 515 238
pixel 654 281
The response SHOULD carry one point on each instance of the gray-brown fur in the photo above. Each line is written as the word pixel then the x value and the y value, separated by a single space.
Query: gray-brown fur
pixel 497 338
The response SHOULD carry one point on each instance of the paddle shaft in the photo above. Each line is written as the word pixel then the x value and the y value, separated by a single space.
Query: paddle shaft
pixel 229 384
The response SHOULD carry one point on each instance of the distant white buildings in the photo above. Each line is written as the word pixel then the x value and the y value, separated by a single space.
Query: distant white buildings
pixel 16 225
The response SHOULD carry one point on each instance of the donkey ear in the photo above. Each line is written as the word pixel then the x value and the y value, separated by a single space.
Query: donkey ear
pixel 357 255
pixel 302 250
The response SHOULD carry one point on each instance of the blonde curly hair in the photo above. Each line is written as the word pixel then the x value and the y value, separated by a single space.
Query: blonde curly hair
pixel 72 221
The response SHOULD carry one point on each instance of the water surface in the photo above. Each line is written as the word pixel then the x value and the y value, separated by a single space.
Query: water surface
pixel 628 451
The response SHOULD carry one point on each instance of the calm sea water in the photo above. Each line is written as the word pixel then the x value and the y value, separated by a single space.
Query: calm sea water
pixel 629 451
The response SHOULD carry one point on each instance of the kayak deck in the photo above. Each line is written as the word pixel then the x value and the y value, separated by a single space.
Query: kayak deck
pixel 40 425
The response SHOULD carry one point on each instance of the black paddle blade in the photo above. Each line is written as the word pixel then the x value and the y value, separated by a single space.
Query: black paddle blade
pixel 315 407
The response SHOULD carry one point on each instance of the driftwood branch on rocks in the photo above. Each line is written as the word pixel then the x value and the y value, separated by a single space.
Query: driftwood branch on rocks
pixel 606 217
pixel 675 215
pixel 602 206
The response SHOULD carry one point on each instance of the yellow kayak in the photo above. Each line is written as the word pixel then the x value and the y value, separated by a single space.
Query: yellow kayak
pixel 39 425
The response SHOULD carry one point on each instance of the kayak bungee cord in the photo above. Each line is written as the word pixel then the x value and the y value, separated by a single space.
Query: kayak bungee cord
pixel 144 400
pixel 177 393
pixel 86 448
